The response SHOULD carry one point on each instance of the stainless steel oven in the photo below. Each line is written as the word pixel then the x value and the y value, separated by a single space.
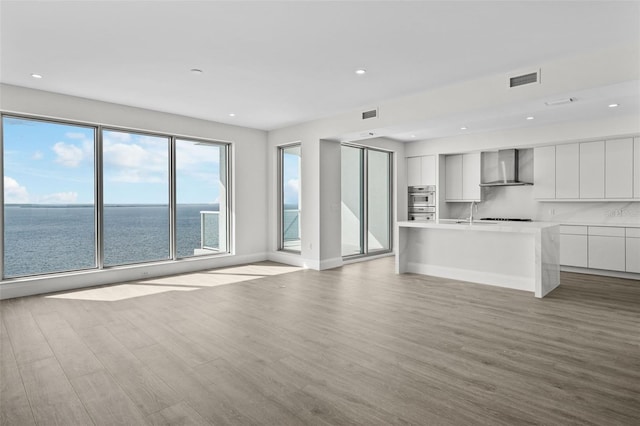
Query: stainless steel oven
pixel 422 196
pixel 422 202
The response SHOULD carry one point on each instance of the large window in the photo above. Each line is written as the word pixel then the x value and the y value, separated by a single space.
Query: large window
pixel 137 198
pixel 289 163
pixel 201 194
pixel 49 197
pixel 366 200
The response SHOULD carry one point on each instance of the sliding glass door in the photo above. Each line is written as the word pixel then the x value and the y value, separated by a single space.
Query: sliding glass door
pixel 366 200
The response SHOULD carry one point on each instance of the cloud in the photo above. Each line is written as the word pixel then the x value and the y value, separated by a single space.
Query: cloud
pixel 14 192
pixel 72 135
pixel 60 198
pixel 38 155
pixel 144 161
pixel 292 191
pixel 293 184
pixel 68 155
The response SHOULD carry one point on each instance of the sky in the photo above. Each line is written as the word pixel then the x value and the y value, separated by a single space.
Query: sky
pixel 53 163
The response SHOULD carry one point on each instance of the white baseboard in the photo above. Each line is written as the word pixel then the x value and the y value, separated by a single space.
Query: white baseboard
pixel 601 272
pixel 42 284
pixel 499 280
pixel 336 262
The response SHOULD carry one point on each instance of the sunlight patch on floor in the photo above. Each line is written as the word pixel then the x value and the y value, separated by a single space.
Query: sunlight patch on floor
pixel 185 282
pixel 117 292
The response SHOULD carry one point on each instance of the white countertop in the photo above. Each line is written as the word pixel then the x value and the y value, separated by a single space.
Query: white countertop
pixel 484 225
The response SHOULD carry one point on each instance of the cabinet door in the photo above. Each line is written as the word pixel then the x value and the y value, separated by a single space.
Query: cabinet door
pixel 567 171
pixel 453 176
pixel 471 170
pixel 633 255
pixel 607 252
pixel 428 168
pixel 414 177
pixel 636 168
pixel 573 250
pixel 592 169
pixel 544 172
pixel 619 168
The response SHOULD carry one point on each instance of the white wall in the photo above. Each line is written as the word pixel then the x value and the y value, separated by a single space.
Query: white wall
pixel 249 187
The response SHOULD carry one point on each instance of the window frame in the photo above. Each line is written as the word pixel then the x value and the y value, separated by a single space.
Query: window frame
pixel 99 193
pixel 280 182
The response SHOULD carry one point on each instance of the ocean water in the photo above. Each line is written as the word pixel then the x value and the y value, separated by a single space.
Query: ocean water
pixel 48 239
pixel 45 239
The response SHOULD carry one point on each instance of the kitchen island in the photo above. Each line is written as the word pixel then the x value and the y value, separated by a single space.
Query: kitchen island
pixel 523 256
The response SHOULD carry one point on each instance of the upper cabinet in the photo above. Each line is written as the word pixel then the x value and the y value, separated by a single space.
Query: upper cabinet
pixel 568 171
pixel 592 170
pixel 421 170
pixel 600 170
pixel 544 172
pixel 462 174
pixel 619 168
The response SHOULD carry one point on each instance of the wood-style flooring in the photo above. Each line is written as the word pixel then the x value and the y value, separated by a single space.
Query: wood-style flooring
pixel 357 345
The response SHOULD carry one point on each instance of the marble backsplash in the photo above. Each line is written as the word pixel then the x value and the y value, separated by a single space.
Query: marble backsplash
pixel 518 202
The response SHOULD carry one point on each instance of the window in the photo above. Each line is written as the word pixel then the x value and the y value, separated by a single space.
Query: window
pixel 49 197
pixel 289 163
pixel 78 197
pixel 366 200
pixel 136 197
pixel 201 194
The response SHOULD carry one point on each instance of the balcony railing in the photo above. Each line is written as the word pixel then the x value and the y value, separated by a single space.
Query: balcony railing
pixel 209 231
pixel 291 229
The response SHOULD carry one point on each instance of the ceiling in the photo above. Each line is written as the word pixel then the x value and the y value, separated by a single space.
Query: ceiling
pixel 273 64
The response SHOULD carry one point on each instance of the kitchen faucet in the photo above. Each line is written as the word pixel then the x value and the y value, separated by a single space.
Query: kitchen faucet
pixel 473 203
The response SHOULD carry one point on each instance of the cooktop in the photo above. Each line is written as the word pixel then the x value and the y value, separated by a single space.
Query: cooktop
pixel 510 219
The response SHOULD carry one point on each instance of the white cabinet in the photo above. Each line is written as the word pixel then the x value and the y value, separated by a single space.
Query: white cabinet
pixel 544 172
pixel 471 175
pixel 428 168
pixel 414 175
pixel 592 169
pixel 568 171
pixel 421 170
pixel 607 248
pixel 573 246
pixel 633 250
pixel 462 174
pixel 636 168
pixel 619 167
pixel 453 177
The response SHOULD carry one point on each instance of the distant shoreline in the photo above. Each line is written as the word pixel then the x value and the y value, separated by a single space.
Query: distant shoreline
pixel 67 206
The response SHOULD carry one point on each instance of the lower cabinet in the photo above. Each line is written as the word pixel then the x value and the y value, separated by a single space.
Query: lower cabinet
pixel 607 248
pixel 573 246
pixel 633 250
pixel 612 248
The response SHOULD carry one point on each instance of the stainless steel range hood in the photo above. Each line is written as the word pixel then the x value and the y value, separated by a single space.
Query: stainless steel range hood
pixel 507 170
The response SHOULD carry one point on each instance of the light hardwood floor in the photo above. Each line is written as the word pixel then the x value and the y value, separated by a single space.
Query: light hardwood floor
pixel 274 345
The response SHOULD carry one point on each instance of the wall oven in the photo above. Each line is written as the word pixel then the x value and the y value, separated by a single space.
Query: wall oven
pixel 422 203
pixel 422 196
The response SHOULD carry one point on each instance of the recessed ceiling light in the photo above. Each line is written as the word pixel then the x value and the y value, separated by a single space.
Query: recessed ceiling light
pixel 530 117
pixel 613 105
pixel 36 75
pixel 231 114
pixel 413 136
pixel 361 71
pixel 195 71
pixel 463 128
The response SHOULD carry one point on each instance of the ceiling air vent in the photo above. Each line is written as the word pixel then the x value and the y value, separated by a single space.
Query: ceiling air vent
pixel 521 80
pixel 370 114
